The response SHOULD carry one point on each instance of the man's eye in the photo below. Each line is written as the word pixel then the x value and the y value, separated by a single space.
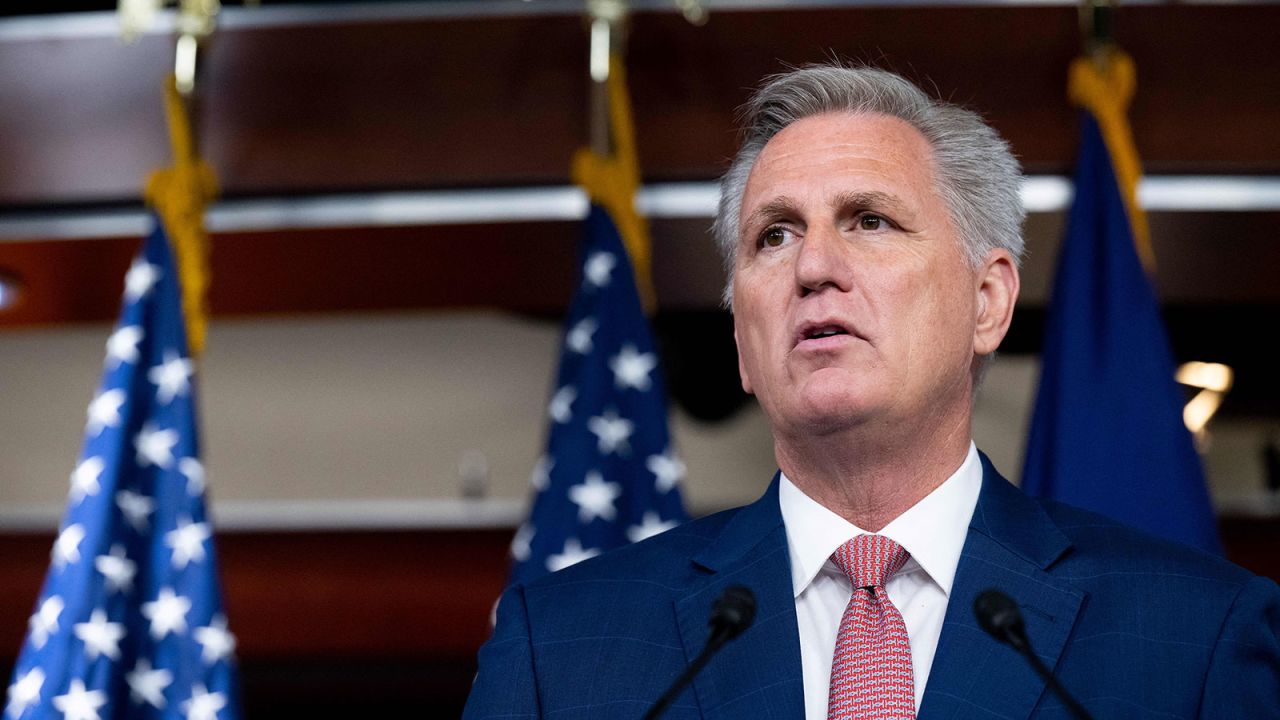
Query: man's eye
pixel 775 236
pixel 871 222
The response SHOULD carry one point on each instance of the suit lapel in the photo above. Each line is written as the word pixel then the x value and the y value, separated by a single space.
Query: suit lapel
pixel 757 675
pixel 1010 545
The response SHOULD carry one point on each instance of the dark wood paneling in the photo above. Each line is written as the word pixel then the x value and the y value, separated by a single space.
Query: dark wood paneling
pixel 330 625
pixel 66 280
pixel 413 595
pixel 501 101
pixel 345 623
pixel 521 267
pixel 363 594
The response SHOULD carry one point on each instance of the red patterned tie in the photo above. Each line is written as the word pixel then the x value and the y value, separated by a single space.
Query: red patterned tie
pixel 871 676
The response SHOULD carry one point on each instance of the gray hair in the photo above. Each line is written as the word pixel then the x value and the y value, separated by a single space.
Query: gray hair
pixel 976 173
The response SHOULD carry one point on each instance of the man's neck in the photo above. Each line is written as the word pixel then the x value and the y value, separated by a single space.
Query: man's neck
pixel 870 480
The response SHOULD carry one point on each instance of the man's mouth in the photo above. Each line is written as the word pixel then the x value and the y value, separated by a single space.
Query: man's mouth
pixel 825 332
pixel 821 331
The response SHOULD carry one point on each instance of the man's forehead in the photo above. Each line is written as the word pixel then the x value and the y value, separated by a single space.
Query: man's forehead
pixel 851 159
pixel 834 142
pixel 877 134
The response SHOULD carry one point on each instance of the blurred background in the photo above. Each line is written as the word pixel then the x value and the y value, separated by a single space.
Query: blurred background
pixel 393 252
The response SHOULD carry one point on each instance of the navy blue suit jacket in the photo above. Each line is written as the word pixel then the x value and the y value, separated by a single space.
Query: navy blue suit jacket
pixel 1136 627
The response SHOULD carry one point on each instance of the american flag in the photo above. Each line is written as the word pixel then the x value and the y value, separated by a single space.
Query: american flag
pixel 129 623
pixel 610 475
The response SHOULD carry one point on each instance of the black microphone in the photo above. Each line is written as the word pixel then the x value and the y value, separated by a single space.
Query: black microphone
pixel 999 616
pixel 732 613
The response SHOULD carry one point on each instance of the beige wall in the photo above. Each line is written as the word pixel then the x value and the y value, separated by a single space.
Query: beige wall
pixel 359 416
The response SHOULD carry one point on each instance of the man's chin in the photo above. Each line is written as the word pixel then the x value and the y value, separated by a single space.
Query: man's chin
pixel 831 411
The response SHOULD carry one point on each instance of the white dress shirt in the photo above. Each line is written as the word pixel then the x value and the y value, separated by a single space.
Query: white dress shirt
pixel 932 531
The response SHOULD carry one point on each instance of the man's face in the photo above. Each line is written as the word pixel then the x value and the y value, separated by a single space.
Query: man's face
pixel 853 302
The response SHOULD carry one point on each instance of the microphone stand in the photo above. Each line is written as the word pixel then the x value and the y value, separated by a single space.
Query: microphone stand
pixel 999 616
pixel 732 613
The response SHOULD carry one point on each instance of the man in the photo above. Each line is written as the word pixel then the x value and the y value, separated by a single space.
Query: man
pixel 872 235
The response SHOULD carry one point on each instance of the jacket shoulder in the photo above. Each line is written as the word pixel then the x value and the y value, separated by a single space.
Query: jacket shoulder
pixel 663 559
pixel 1103 548
pixel 1196 632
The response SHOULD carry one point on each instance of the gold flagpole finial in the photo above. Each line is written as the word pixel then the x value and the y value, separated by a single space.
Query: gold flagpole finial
pixel 608 20
pixel 195 20
pixel 693 11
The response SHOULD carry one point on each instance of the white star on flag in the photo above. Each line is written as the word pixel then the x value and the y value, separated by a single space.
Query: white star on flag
pixel 172 377
pixel 541 476
pixel 632 368
pixel 104 412
pixel 136 508
pixel 148 685
pixel 99 636
pixel 155 446
pixel 560 408
pixel 598 268
pixel 167 613
pixel 193 470
pixel 79 703
pixel 203 704
pixel 84 479
pixel 122 346
pixel 117 569
pixel 579 338
pixel 66 549
pixel 594 498
pixel 667 469
pixel 216 642
pixel 572 555
pixel 24 692
pixel 520 543
pixel 187 542
pixel 612 432
pixel 44 621
pixel 142 276
pixel 649 526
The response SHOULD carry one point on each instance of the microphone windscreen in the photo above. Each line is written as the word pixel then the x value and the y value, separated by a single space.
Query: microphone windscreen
pixel 998 616
pixel 734 610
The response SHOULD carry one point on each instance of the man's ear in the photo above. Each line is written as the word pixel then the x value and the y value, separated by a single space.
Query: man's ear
pixel 742 368
pixel 997 293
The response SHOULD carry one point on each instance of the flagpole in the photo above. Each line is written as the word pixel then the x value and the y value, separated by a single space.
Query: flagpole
pixel 1103 82
pixel 607 20
pixel 609 475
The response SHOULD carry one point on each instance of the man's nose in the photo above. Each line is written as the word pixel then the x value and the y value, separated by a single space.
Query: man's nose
pixel 823 261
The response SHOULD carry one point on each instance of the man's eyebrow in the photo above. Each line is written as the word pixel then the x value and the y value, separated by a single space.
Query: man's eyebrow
pixel 770 211
pixel 870 200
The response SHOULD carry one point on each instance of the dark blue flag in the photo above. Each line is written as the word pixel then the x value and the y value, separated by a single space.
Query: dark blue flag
pixel 1107 433
pixel 129 623
pixel 610 475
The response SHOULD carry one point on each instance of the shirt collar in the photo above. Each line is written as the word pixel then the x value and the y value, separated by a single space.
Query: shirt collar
pixel 932 531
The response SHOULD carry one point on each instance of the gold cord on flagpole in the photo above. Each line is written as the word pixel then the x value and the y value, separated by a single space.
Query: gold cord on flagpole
pixel 609 170
pixel 179 195
pixel 1103 82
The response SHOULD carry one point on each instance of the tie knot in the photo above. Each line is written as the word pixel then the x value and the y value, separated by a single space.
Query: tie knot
pixel 869 560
